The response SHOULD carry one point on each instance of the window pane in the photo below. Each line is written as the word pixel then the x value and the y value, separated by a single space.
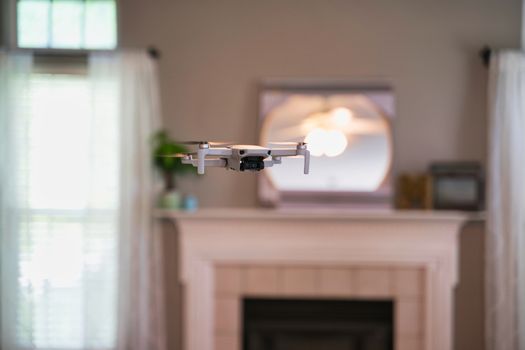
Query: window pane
pixel 67 19
pixel 67 24
pixel 33 23
pixel 101 24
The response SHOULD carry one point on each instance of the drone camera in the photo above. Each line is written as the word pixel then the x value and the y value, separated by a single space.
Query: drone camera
pixel 252 163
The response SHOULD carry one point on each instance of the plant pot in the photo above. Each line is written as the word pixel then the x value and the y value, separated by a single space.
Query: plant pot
pixel 171 199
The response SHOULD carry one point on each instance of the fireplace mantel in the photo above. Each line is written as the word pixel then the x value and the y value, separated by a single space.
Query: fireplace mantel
pixel 424 240
pixel 319 214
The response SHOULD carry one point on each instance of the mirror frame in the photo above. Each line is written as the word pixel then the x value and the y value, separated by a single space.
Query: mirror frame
pixel 269 195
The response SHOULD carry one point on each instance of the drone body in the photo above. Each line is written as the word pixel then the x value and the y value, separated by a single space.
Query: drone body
pixel 242 157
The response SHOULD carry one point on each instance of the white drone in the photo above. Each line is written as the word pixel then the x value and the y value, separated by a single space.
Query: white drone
pixel 241 157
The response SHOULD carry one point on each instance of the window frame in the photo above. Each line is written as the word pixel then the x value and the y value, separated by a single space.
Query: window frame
pixel 11 35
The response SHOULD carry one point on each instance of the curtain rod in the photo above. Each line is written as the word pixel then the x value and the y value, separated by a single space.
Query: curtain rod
pixel 154 52
pixel 485 54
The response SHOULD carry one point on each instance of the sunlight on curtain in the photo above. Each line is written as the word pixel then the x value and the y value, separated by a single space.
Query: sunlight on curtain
pixel 60 291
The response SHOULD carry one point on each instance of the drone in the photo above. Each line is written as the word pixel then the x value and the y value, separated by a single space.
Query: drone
pixel 241 157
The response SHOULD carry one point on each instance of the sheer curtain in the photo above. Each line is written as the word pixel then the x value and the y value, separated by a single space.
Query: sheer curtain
pixel 14 77
pixel 505 263
pixel 141 308
pixel 80 258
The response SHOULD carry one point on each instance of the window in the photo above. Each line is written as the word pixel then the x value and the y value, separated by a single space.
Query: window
pixel 66 169
pixel 67 24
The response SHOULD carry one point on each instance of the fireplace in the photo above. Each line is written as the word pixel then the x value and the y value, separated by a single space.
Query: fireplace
pixel 228 257
pixel 317 324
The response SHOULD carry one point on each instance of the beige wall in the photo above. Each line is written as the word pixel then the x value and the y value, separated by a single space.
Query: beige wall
pixel 215 52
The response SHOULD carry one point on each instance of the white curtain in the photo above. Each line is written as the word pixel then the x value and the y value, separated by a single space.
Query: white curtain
pixel 14 77
pixel 80 254
pixel 505 250
pixel 141 308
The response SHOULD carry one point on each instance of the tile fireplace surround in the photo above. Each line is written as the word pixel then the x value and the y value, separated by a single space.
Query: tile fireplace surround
pixel 408 257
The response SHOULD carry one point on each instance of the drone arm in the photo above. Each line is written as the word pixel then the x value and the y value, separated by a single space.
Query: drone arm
pixel 306 161
pixel 277 153
pixel 201 158
pixel 223 152
pixel 219 163
pixel 284 152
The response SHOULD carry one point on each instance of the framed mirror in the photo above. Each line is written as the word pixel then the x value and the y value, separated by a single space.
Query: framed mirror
pixel 348 129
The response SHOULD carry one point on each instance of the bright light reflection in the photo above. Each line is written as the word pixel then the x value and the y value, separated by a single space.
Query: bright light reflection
pixel 335 143
pixel 326 142
pixel 315 140
pixel 341 116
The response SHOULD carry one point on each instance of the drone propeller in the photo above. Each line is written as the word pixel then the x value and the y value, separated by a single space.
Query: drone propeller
pixel 177 155
pixel 211 143
pixel 286 143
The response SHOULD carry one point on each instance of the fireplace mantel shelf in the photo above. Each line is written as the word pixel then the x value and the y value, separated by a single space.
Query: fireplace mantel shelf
pixel 321 214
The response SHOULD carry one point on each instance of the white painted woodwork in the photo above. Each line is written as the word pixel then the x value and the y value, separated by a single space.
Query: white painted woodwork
pixel 371 244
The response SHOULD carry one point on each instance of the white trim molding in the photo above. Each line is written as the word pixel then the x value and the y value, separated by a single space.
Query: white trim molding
pixel 424 240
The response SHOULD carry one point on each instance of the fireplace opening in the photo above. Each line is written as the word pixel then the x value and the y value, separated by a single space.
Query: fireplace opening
pixel 311 324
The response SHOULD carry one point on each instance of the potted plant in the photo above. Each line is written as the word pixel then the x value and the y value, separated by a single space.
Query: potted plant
pixel 164 147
